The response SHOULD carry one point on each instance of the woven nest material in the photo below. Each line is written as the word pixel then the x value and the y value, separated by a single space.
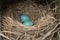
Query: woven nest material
pixel 43 17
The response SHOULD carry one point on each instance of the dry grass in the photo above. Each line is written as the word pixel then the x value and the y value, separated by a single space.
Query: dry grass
pixel 46 25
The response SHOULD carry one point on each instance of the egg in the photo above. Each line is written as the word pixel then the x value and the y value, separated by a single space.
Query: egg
pixel 28 23
pixel 25 17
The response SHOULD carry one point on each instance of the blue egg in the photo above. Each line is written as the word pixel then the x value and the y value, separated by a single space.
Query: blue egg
pixel 28 23
pixel 25 18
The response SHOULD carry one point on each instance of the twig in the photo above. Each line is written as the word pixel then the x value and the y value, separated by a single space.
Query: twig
pixel 18 37
pixel 4 36
pixel 55 8
pixel 11 32
pixel 50 32
pixel 51 36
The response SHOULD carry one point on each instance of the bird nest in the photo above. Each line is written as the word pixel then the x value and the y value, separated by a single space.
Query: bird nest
pixel 43 16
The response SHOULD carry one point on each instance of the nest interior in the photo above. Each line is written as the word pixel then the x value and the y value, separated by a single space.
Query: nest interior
pixel 32 9
pixel 42 15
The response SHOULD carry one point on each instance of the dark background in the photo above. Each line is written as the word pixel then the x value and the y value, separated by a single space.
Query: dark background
pixel 5 3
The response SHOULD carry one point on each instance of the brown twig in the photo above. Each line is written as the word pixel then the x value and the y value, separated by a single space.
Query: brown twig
pixel 50 32
pixel 4 36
